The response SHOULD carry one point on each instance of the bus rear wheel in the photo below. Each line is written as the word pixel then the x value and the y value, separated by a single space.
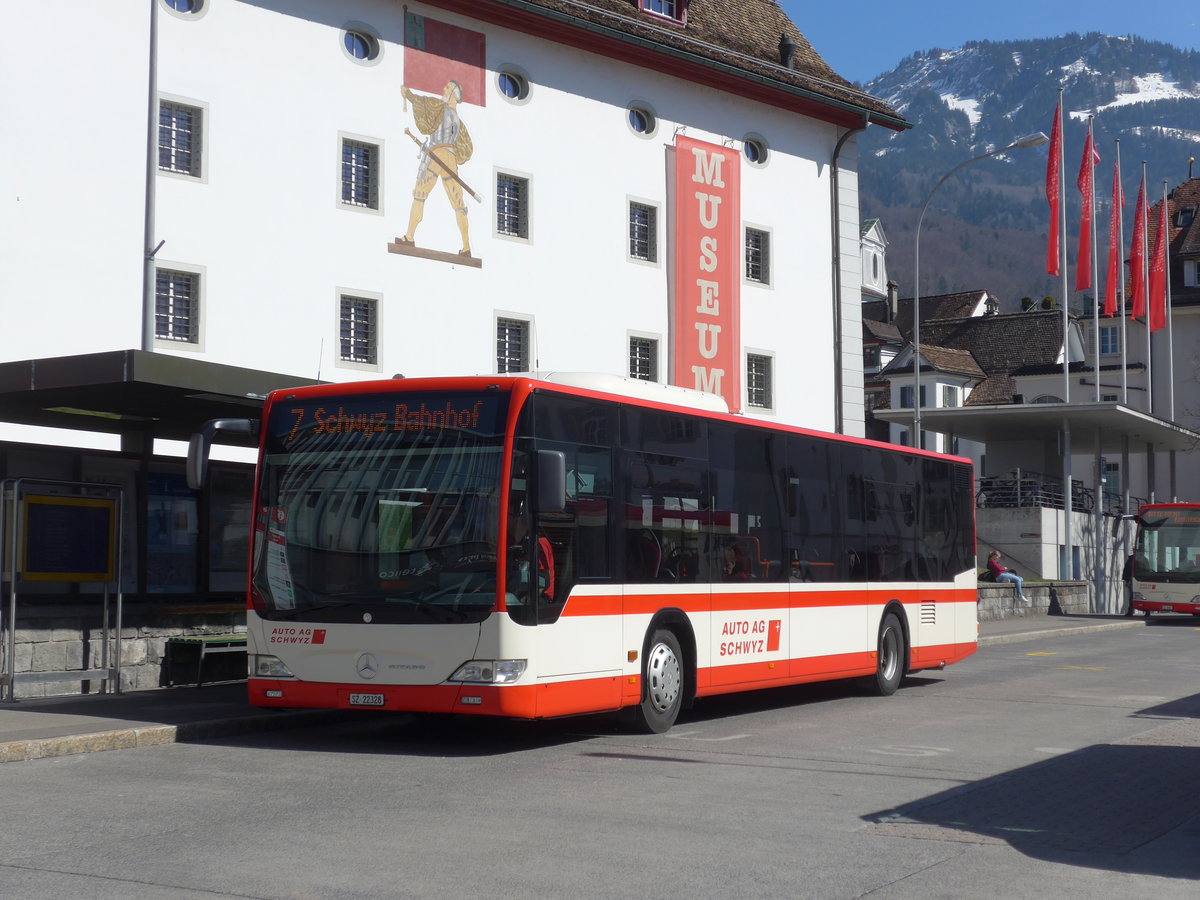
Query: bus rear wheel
pixel 662 683
pixel 891 653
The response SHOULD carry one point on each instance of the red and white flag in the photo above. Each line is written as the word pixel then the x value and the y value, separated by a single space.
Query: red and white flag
pixel 1137 255
pixel 1086 182
pixel 1158 272
pixel 1054 189
pixel 1114 243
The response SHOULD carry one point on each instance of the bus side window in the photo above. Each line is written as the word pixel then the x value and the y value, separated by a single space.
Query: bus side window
pixel 814 552
pixel 747 516
pixel 665 519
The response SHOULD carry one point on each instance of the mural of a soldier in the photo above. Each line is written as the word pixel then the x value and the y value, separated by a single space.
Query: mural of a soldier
pixel 447 146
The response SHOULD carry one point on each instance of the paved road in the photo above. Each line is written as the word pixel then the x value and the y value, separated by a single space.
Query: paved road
pixel 1052 768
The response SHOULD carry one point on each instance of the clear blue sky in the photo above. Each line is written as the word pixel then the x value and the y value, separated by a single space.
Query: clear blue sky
pixel 861 40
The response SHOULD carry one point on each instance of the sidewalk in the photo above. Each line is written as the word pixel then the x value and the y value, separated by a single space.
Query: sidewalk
pixel 62 726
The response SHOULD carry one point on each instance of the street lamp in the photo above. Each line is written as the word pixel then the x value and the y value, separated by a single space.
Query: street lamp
pixel 1030 140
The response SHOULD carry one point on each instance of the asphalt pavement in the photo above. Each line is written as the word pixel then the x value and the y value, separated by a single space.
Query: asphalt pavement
pixel 63 726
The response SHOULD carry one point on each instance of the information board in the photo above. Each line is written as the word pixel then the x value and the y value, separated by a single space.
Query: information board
pixel 69 538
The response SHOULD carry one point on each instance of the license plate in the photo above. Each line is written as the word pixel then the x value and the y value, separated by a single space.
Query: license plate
pixel 366 699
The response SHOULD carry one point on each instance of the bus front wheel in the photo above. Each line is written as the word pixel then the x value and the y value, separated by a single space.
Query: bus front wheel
pixel 662 683
pixel 891 653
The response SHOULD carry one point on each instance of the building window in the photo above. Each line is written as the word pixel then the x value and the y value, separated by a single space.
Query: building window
pixel 1109 398
pixel 949 395
pixel 642 121
pixel 360 174
pixel 1110 340
pixel 1185 216
pixel 872 400
pixel 358 333
pixel 177 306
pixel 672 9
pixel 758 381
pixel 754 148
pixel 185 8
pixel 871 356
pixel 512 345
pixel 360 45
pixel 512 206
pixel 906 395
pixel 643 358
pixel 758 256
pixel 1191 273
pixel 643 232
pixel 1112 477
pixel 512 85
pixel 180 133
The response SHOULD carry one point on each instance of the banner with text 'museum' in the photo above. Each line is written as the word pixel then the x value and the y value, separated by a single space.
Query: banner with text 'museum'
pixel 706 339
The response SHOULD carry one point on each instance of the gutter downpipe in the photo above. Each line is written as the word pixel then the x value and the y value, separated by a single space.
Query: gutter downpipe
pixel 148 248
pixel 836 236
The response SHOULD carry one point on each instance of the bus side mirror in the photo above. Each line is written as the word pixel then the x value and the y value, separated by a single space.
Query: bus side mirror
pixel 1128 517
pixel 201 442
pixel 551 481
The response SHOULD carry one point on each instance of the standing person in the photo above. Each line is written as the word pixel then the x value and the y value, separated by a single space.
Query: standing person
pixel 1127 580
pixel 447 146
pixel 1001 573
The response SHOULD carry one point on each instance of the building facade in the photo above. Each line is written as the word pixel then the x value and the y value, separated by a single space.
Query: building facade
pixel 293 192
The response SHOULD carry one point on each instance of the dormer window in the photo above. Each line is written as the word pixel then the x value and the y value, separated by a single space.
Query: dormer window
pixel 670 9
pixel 1184 217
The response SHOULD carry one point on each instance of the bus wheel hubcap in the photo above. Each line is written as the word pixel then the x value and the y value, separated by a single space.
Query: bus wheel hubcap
pixel 663 673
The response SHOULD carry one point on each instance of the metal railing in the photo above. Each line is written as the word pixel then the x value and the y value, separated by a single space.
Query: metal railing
pixel 1034 489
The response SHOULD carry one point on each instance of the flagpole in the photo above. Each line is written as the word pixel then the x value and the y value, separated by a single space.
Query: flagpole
pixel 1144 275
pixel 1066 569
pixel 1120 198
pixel 1167 307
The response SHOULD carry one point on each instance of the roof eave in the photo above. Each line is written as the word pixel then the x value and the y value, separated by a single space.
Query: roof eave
pixel 528 17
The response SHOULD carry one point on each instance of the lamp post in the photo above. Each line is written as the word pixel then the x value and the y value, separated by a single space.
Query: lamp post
pixel 1030 140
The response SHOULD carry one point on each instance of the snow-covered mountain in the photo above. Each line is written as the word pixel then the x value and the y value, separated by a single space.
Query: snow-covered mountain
pixel 987 226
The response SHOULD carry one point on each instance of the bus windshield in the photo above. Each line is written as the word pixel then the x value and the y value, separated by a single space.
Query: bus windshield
pixel 380 508
pixel 1168 546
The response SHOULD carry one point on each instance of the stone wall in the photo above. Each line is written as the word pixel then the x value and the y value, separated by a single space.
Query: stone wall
pixel 69 637
pixel 1047 598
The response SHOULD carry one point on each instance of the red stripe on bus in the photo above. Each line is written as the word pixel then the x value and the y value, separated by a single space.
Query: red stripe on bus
pixel 729 601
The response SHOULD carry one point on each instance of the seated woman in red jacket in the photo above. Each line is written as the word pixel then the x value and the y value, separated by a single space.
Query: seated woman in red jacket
pixel 1001 573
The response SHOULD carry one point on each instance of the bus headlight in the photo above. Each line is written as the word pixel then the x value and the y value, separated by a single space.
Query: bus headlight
pixel 1136 595
pixel 265 666
pixel 490 671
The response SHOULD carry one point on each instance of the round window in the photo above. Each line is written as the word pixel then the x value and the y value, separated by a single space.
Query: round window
pixel 755 151
pixel 512 85
pixel 641 120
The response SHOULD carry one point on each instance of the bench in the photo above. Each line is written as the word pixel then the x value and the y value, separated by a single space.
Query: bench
pixel 186 658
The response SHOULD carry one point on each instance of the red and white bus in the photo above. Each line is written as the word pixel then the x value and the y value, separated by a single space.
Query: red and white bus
pixel 1166 559
pixel 532 548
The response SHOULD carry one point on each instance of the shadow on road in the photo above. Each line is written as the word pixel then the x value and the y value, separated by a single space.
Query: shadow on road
pixel 1118 807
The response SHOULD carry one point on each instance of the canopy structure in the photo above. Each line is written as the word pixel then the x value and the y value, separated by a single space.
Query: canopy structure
pixel 131 392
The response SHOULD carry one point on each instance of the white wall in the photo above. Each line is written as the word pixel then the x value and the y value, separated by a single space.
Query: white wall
pixel 276 246
pixel 72 175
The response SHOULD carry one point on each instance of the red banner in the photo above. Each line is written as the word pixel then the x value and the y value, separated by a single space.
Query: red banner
pixel 1086 182
pixel 1054 191
pixel 708 269
pixel 1158 271
pixel 1114 244
pixel 436 53
pixel 1137 254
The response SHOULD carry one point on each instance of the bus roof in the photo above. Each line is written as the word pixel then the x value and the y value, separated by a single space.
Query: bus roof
pixel 616 387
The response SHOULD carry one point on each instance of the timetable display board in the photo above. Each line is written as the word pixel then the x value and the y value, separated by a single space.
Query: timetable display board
pixel 69 538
